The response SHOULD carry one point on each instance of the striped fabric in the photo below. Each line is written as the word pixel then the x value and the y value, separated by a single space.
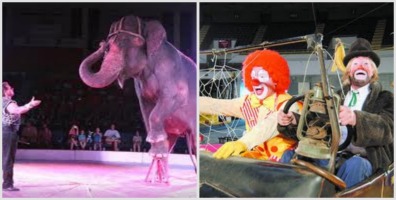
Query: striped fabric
pixel 249 113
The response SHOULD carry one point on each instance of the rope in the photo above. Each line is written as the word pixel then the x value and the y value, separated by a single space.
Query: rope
pixel 119 29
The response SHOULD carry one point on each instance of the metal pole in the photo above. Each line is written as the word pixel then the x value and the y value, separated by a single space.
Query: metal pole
pixel 258 46
pixel 331 109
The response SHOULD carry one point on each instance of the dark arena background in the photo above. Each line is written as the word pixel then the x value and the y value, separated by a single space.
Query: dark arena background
pixel 43 46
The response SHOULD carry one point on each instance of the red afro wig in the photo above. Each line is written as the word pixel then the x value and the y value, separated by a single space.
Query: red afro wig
pixel 273 63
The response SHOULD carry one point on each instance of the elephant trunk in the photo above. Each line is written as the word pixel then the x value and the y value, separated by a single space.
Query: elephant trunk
pixel 104 77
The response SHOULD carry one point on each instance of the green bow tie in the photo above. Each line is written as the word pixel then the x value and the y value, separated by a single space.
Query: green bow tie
pixel 353 99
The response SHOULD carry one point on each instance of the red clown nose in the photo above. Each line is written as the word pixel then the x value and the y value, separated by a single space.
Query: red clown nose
pixel 255 82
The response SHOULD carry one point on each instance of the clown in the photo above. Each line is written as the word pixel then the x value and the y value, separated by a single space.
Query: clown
pixel 366 116
pixel 266 76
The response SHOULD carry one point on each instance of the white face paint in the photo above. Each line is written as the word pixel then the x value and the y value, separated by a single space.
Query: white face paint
pixel 260 74
pixel 361 71
pixel 265 87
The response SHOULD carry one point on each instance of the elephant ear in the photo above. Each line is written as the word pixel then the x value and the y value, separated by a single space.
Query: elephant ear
pixel 155 35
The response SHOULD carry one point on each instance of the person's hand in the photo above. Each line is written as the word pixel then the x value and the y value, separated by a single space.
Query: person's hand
pixel 34 103
pixel 233 148
pixel 347 116
pixel 286 119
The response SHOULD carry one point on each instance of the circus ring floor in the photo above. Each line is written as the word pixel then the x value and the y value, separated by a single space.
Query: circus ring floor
pixel 98 174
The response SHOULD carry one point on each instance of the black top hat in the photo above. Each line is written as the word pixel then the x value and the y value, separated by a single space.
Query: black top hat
pixel 361 47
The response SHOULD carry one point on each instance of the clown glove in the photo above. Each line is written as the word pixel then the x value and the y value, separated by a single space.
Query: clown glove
pixel 233 148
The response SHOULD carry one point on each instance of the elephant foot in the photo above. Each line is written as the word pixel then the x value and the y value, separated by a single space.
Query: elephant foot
pixel 154 137
pixel 158 171
pixel 159 149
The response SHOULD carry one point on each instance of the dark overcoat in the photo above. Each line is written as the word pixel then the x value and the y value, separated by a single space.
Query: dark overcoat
pixel 374 127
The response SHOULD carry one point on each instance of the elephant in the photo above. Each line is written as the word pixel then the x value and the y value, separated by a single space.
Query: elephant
pixel 164 80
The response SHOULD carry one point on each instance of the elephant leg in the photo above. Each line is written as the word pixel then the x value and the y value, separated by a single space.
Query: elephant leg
pixel 146 107
pixel 156 131
pixel 147 110
pixel 156 134
pixel 159 149
pixel 172 141
pixel 164 108
pixel 192 148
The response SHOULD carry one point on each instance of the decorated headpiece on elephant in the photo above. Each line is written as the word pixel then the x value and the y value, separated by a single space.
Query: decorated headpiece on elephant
pixel 164 79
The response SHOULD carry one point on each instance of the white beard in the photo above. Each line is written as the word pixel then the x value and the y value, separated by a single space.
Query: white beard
pixel 360 78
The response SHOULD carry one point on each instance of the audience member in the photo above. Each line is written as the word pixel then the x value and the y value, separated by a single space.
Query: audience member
pixel 73 134
pixel 45 136
pixel 90 140
pixel 29 134
pixel 97 138
pixel 112 137
pixel 137 142
pixel 82 139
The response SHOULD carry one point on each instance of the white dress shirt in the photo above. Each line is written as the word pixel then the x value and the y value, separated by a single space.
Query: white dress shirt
pixel 362 94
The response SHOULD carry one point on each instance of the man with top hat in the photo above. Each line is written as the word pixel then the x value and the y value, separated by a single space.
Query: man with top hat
pixel 366 115
pixel 266 75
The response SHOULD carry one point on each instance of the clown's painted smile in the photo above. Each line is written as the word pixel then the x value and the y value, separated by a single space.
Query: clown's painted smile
pixel 258 90
pixel 262 83
pixel 360 74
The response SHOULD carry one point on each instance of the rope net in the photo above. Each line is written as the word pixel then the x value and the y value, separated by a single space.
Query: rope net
pixel 219 82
